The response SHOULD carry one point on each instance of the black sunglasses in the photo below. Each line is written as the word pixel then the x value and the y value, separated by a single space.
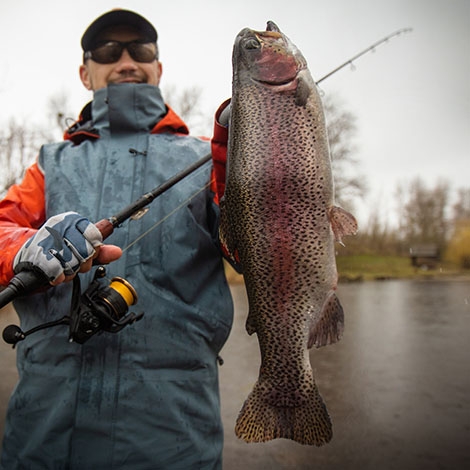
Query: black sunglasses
pixel 111 51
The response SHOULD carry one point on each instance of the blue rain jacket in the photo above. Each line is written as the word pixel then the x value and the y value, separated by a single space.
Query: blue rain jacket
pixel 146 397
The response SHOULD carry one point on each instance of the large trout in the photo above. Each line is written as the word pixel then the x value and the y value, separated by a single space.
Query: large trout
pixel 280 224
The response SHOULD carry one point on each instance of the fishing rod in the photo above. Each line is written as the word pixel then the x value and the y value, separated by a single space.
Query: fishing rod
pixel 365 51
pixel 29 280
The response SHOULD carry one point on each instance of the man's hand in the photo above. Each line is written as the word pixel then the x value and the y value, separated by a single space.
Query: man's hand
pixel 65 245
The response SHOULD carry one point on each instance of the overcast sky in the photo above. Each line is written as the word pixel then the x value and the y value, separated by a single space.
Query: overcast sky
pixel 411 97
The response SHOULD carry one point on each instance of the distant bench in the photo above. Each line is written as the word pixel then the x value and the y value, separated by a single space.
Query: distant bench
pixel 424 255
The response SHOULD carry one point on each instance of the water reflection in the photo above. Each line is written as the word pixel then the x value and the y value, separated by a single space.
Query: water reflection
pixel 397 385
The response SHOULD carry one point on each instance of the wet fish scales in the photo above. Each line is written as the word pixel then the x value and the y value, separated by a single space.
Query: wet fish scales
pixel 279 221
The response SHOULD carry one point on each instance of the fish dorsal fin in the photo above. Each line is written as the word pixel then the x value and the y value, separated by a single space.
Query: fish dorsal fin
pixel 342 223
pixel 328 329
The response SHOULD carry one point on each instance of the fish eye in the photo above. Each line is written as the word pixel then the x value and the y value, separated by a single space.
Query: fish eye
pixel 251 43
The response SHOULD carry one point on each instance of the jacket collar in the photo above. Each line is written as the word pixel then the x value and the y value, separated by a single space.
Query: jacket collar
pixel 110 112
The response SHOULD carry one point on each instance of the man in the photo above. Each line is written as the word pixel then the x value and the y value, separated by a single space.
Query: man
pixel 146 397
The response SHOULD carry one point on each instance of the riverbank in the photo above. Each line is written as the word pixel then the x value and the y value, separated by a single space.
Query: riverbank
pixel 357 268
pixel 353 268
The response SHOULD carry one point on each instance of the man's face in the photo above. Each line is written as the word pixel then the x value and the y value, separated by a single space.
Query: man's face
pixel 126 70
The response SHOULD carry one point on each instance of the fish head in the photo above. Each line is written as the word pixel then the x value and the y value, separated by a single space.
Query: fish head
pixel 268 58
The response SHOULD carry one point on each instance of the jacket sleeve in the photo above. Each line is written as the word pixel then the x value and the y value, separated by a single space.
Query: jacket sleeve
pixel 219 152
pixel 22 212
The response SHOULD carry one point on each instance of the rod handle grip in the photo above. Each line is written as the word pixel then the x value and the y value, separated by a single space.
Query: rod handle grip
pixel 105 227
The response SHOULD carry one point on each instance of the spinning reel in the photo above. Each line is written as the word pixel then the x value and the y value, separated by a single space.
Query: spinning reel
pixel 100 308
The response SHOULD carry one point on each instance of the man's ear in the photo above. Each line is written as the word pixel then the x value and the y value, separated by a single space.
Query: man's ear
pixel 160 71
pixel 85 76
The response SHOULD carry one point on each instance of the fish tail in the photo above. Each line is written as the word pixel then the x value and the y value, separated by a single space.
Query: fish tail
pixel 308 423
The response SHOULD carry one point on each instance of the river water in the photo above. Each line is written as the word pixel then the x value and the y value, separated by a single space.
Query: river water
pixel 397 385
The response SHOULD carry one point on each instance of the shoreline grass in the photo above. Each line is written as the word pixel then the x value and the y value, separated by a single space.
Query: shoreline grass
pixel 381 267
pixel 357 268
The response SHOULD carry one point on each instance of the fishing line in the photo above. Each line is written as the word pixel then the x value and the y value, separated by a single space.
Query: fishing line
pixel 365 51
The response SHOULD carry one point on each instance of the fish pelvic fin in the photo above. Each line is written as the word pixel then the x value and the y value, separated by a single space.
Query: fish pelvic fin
pixel 328 329
pixel 260 421
pixel 342 223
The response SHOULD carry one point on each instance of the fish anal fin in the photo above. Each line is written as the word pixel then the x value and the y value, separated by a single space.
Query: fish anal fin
pixel 342 223
pixel 328 329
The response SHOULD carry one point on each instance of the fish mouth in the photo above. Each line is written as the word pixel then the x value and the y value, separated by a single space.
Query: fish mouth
pixel 269 58
pixel 285 84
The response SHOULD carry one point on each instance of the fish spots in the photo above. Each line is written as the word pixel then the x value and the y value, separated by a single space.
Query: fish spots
pixel 277 214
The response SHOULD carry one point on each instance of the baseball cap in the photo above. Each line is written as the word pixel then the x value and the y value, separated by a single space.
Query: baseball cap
pixel 118 17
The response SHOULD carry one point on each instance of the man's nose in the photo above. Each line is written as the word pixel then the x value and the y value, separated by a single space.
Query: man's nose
pixel 126 62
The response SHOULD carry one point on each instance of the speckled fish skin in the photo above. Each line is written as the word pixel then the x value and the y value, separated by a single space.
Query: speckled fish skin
pixel 280 223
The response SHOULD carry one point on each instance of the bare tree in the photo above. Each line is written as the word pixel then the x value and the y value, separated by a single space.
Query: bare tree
pixel 58 112
pixel 423 212
pixel 458 249
pixel 20 141
pixel 187 104
pixel 461 209
pixel 341 127
pixel 19 146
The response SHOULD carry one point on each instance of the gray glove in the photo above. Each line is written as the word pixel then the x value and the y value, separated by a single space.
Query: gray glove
pixel 224 118
pixel 60 246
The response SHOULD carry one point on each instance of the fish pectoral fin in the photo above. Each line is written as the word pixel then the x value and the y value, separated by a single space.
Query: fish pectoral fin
pixel 342 223
pixel 302 92
pixel 329 328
